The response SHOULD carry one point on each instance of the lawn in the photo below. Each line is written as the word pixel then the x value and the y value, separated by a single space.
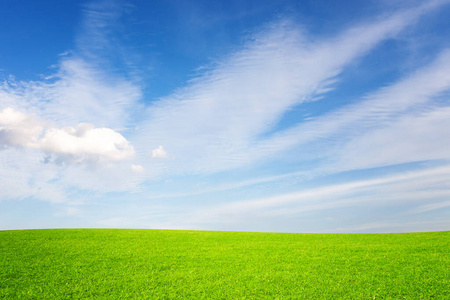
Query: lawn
pixel 166 264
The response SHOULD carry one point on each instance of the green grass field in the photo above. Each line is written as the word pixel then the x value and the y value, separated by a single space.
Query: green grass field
pixel 164 264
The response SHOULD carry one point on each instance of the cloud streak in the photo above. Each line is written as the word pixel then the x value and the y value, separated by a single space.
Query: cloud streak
pixel 224 117
pixel 365 131
pixel 411 189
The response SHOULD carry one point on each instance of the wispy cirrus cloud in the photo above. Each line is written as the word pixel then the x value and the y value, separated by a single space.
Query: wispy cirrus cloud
pixel 225 117
pixel 388 193
pixel 409 112
pixel 77 93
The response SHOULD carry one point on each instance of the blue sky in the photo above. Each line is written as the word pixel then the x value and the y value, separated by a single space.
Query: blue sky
pixel 289 116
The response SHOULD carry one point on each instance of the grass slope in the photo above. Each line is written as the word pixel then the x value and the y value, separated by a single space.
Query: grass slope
pixel 158 264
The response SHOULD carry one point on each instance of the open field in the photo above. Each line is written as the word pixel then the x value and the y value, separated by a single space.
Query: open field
pixel 163 264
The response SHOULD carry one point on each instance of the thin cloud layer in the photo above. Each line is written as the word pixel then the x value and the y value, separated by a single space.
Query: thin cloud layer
pixel 389 192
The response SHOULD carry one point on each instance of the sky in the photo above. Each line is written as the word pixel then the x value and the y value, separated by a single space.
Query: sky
pixel 277 116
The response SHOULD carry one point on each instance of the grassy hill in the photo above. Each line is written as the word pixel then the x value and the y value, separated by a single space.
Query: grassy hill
pixel 164 264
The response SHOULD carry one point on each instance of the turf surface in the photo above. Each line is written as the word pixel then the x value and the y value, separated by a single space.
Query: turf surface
pixel 163 264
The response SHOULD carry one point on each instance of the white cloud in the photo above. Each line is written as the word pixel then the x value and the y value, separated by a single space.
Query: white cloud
pixel 137 168
pixel 159 152
pixel 93 159
pixel 18 129
pixel 84 142
pixel 87 142
pixel 223 119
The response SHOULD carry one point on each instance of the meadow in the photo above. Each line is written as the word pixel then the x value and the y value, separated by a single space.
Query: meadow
pixel 166 264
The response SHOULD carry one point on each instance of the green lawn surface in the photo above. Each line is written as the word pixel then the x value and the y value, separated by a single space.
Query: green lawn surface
pixel 170 264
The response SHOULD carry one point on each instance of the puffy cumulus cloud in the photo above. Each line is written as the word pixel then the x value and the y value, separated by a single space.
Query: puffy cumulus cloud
pixel 159 152
pixel 137 168
pixel 87 142
pixel 18 129
pixel 84 142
